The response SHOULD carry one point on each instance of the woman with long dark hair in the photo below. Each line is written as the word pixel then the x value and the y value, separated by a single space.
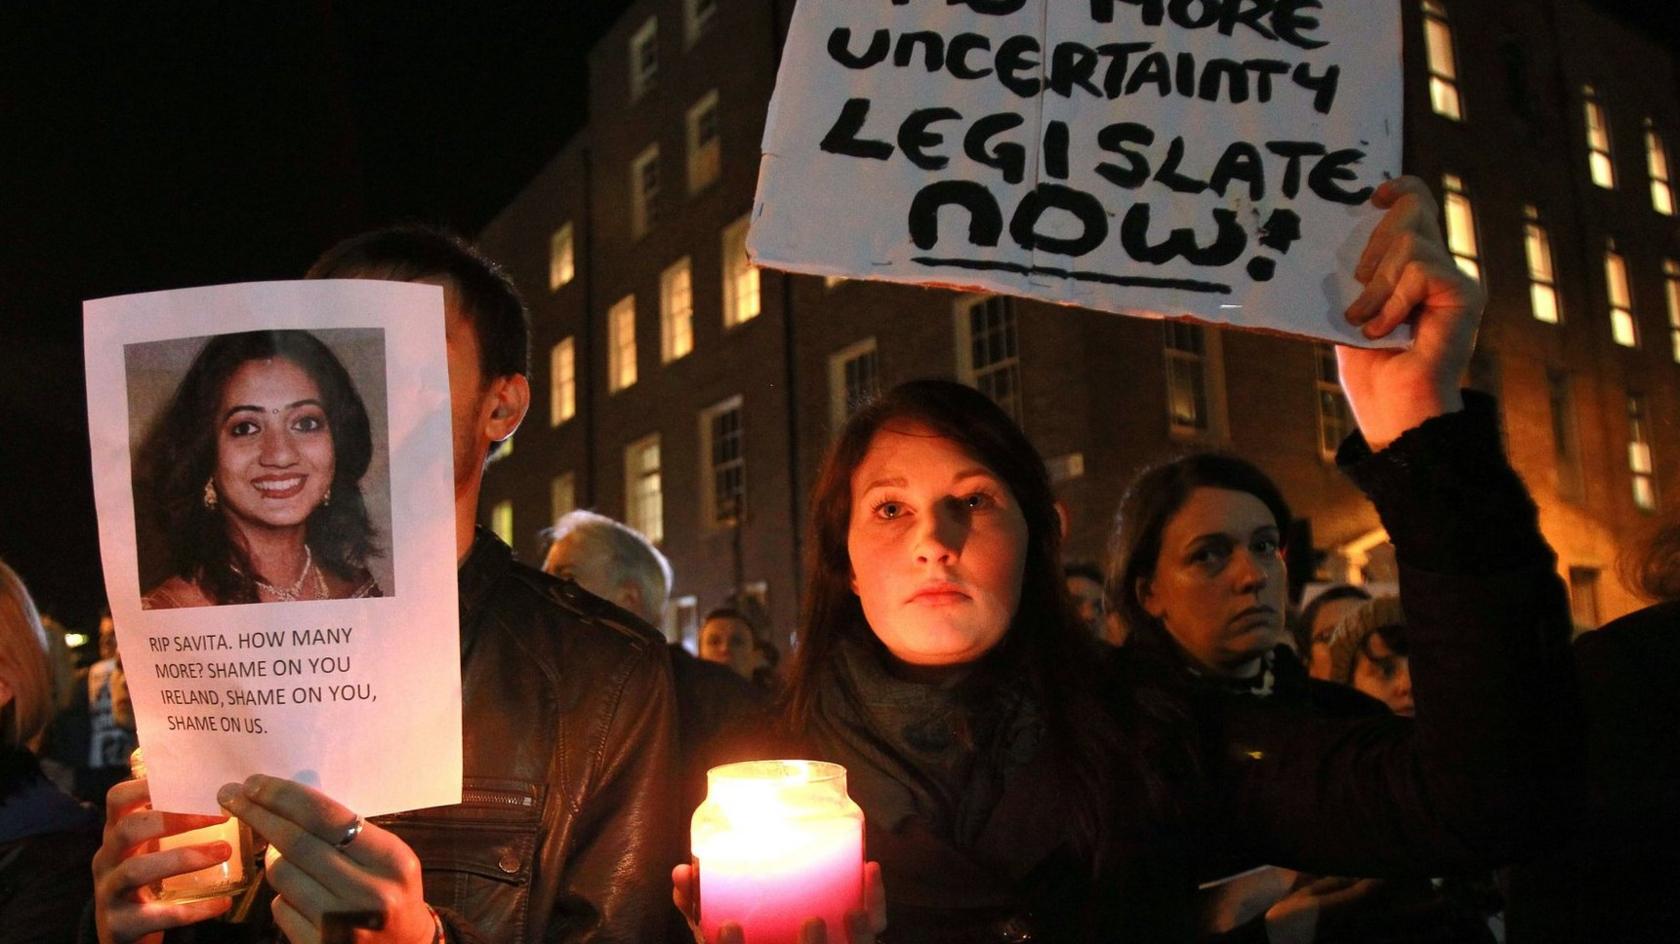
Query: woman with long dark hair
pixel 253 476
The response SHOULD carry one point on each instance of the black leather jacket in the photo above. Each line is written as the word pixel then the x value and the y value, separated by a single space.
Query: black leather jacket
pixel 566 829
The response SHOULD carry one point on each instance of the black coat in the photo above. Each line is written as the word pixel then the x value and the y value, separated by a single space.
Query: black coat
pixel 1465 787
pixel 1617 881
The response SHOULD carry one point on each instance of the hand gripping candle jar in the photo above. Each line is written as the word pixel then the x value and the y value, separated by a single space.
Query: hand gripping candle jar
pixel 777 842
pixel 228 878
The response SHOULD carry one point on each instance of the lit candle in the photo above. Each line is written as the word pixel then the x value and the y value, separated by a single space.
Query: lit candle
pixel 228 878
pixel 777 842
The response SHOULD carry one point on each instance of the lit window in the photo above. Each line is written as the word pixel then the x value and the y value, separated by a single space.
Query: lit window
pixel 1639 454
pixel 1598 140
pixel 854 379
pixel 1443 67
pixel 621 344
pixel 1656 164
pixel 697 18
pixel 1335 419
pixel 644 58
pixel 676 311
pixel 1461 226
pixel 740 277
pixel 1671 290
pixel 562 495
pixel 1566 443
pixel 1623 327
pixel 988 350
pixel 560 267
pixel 1187 397
pixel 644 491
pixel 562 374
pixel 830 281
pixel 644 191
pixel 1542 281
pixel 705 154
pixel 501 521
pixel 723 463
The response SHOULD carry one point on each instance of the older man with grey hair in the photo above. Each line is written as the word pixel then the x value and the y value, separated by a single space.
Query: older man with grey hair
pixel 612 561
pixel 718 712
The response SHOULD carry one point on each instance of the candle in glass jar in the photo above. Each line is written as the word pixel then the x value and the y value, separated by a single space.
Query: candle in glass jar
pixel 227 878
pixel 777 842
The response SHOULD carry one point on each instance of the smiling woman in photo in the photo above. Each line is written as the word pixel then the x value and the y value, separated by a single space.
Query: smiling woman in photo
pixel 254 473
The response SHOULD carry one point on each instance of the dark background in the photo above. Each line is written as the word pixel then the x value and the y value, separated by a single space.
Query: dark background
pixel 153 146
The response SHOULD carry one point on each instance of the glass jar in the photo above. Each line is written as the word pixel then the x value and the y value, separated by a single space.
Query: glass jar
pixel 777 842
pixel 223 879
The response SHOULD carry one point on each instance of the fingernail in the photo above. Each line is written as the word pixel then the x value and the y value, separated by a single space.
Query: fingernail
pixel 221 851
pixel 250 786
pixel 227 794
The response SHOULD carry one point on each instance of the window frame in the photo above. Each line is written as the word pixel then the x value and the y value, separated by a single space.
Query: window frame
pixel 636 472
pixel 644 73
pixel 694 24
pixel 734 245
pixel 1455 195
pixel 711 469
pixel 644 196
pixel 562 257
pixel 1446 99
pixel 841 403
pixel 705 159
pixel 562 381
pixel 676 326
pixel 1008 365
pixel 1659 170
pixel 1329 438
pixel 622 371
pixel 1601 161
pixel 1618 297
pixel 1542 271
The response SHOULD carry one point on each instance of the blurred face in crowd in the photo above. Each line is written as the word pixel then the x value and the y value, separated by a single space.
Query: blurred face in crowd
pixel 937 546
pixel 1329 614
pixel 1219 585
pixel 107 638
pixel 1087 597
pixel 274 449
pixel 1384 674
pixel 728 641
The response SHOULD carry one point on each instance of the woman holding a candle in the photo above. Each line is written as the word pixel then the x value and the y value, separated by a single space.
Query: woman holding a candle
pixel 1018 784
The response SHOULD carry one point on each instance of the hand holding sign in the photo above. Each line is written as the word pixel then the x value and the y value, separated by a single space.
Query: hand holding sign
pixel 1409 277
pixel 320 873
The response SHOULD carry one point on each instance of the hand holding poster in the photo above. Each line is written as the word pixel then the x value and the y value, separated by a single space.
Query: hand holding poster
pixel 273 475
pixel 1210 158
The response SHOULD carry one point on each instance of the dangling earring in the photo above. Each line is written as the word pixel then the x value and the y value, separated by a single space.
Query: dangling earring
pixel 327 498
pixel 210 493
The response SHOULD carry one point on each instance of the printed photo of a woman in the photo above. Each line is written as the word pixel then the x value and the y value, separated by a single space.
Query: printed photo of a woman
pixel 253 473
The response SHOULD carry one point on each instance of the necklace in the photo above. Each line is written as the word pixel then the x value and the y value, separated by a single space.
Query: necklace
pixel 290 594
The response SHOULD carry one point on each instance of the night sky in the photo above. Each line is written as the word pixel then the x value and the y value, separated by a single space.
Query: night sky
pixel 144 150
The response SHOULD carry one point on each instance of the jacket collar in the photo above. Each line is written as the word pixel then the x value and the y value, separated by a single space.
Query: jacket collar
pixel 488 560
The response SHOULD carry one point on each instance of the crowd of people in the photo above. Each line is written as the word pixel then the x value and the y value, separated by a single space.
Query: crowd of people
pixel 1165 748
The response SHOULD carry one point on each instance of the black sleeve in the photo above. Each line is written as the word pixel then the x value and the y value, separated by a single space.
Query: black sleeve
pixel 1486 766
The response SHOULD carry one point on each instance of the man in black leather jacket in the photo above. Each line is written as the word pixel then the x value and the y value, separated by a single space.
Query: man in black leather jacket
pixel 567 827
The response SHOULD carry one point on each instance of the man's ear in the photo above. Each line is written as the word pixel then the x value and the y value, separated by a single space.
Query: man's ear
pixel 630 597
pixel 510 398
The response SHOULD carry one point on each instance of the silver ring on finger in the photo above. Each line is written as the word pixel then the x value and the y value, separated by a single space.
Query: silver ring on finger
pixel 348 834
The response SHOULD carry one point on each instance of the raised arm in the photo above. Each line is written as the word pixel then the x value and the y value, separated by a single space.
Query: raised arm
pixel 1484 769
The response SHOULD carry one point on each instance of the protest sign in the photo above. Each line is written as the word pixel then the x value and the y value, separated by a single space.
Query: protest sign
pixel 273 474
pixel 1203 158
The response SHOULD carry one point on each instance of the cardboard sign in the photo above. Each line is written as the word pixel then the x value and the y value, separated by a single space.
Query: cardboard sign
pixel 1202 158
pixel 273 475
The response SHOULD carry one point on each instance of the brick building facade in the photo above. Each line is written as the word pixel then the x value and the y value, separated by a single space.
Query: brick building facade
pixel 681 390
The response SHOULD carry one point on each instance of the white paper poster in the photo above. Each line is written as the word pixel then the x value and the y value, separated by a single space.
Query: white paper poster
pixel 1203 158
pixel 273 475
